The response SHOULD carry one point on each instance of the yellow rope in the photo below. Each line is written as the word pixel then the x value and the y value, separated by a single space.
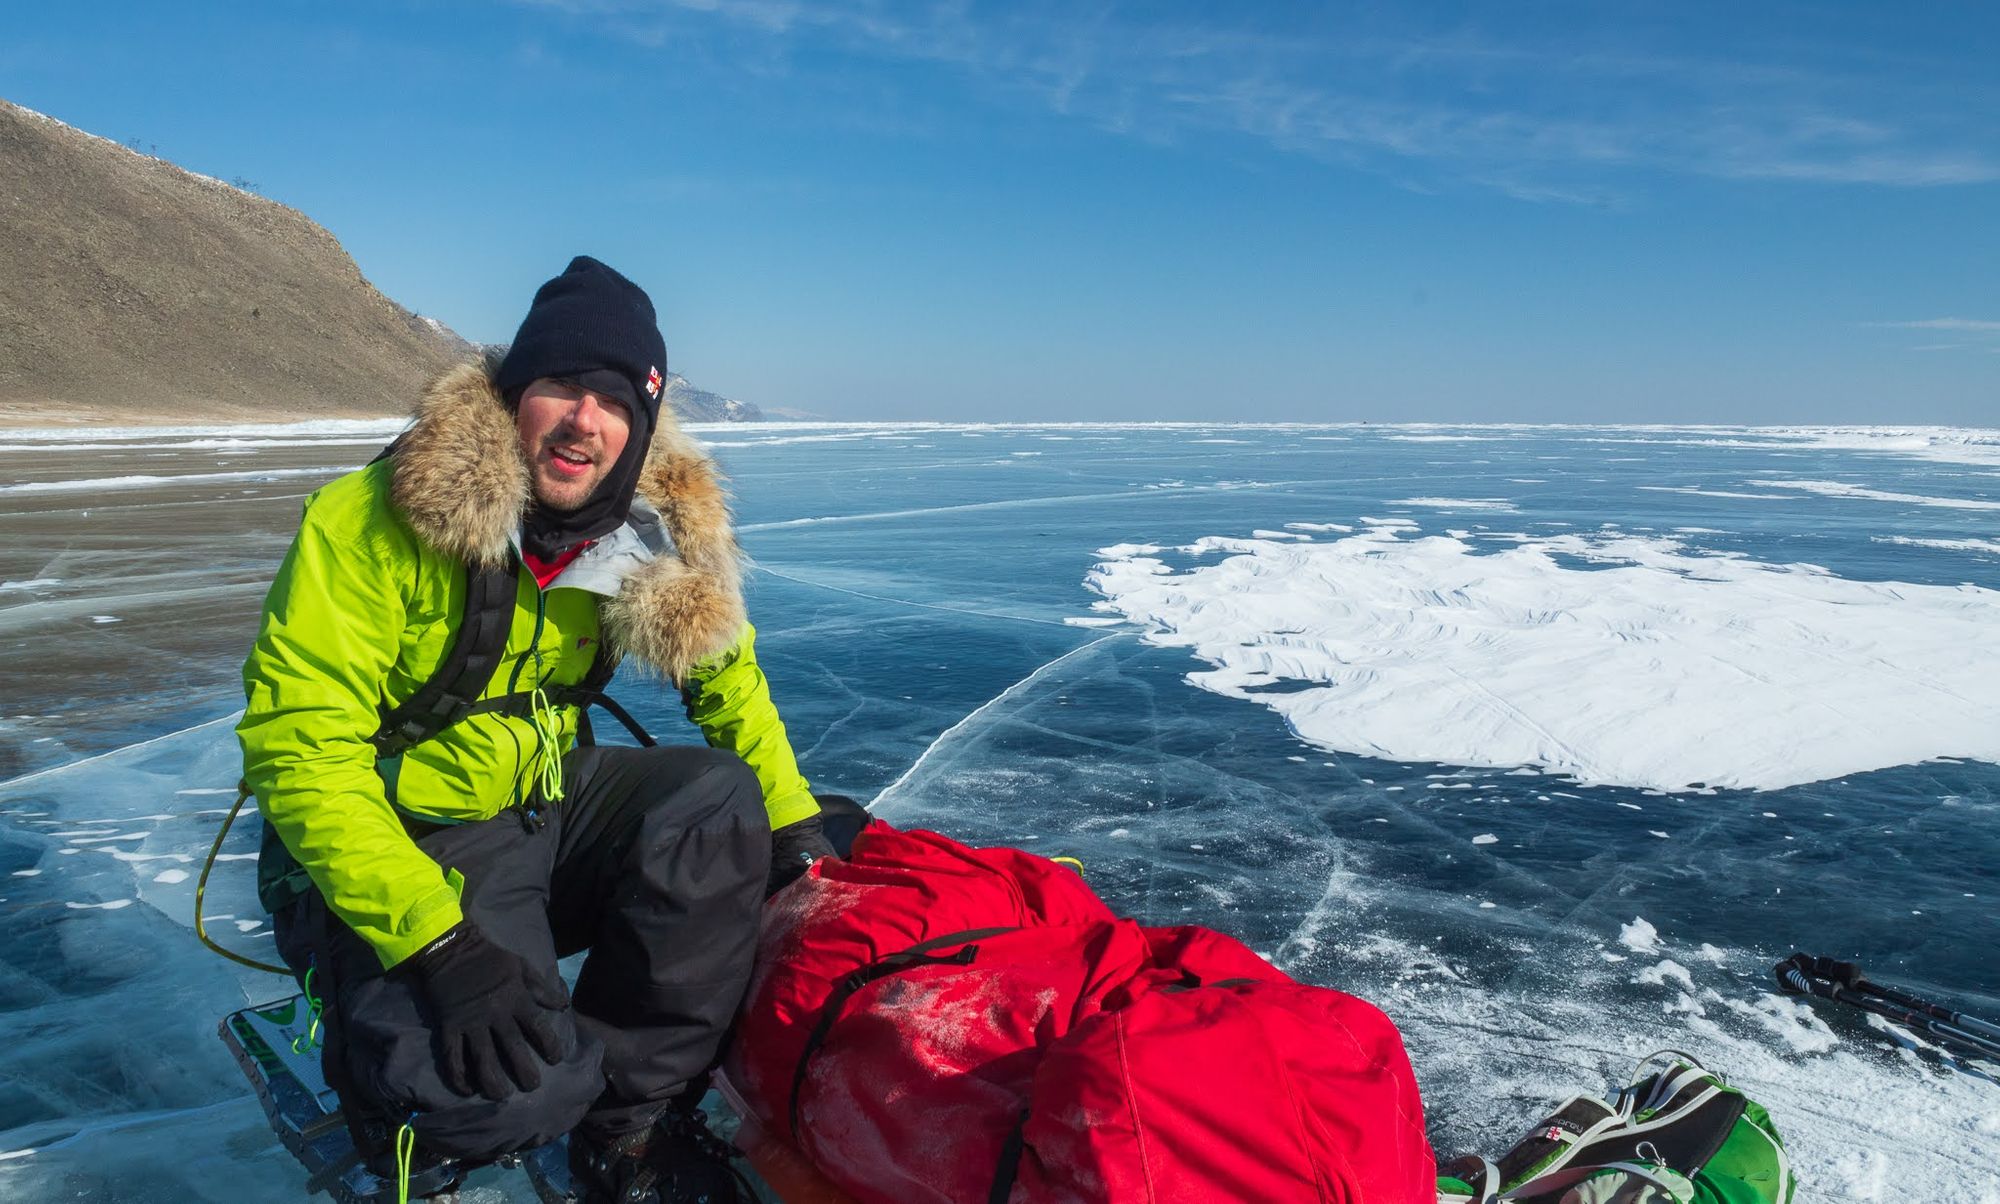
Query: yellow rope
pixel 201 891
pixel 309 1039
pixel 548 738
pixel 1069 861
pixel 406 1152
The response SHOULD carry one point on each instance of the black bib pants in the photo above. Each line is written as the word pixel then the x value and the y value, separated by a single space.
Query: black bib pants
pixel 655 862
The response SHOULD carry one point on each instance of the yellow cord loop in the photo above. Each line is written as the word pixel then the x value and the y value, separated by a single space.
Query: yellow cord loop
pixel 406 1152
pixel 309 1040
pixel 548 740
pixel 201 890
pixel 1070 861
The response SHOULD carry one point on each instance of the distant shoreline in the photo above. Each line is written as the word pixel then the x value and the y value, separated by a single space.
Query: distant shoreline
pixel 23 415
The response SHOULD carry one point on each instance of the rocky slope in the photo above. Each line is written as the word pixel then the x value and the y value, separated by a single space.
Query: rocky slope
pixel 700 405
pixel 134 290
pixel 131 288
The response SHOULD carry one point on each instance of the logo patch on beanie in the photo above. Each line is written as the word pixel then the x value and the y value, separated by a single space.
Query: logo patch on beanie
pixel 653 384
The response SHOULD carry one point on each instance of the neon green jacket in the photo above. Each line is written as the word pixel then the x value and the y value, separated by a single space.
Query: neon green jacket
pixel 365 607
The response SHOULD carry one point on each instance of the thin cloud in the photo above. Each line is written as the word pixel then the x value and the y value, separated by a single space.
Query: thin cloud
pixel 1905 171
pixel 1980 325
pixel 1541 121
pixel 1980 335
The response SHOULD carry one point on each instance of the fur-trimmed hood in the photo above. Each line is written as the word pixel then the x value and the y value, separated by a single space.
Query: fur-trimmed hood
pixel 461 481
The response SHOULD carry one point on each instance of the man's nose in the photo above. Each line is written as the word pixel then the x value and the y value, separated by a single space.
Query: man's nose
pixel 588 416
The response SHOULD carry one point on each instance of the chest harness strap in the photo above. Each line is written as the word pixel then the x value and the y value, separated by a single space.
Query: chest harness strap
pixel 453 690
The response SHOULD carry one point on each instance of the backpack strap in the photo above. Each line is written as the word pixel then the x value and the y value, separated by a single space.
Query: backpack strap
pixel 521 705
pixel 1011 1151
pixel 1556 1140
pixel 590 691
pixel 1692 1121
pixel 1009 1168
pixel 844 988
pixel 1660 1089
pixel 1468 1179
pixel 468 665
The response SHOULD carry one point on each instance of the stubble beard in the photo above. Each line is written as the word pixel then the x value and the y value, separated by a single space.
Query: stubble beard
pixel 559 493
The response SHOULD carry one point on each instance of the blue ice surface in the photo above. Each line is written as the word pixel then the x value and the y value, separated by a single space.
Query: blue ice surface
pixel 910 590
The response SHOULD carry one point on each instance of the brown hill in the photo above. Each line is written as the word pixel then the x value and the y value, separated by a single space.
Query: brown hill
pixel 134 290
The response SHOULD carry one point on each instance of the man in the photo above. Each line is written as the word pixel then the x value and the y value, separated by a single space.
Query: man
pixel 426 882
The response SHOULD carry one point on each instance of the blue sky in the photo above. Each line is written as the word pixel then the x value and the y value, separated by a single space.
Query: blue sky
pixel 1503 212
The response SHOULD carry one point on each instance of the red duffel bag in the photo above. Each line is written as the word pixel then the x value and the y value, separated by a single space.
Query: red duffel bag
pixel 933 1023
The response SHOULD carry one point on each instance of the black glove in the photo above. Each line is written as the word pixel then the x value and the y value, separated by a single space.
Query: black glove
pixel 496 1017
pixel 794 848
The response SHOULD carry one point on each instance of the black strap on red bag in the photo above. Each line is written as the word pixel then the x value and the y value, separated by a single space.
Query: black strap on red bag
pixel 1010 1161
pixel 1016 1144
pixel 919 954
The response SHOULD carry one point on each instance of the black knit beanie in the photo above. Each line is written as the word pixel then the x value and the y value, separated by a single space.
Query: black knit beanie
pixel 595 328
pixel 589 320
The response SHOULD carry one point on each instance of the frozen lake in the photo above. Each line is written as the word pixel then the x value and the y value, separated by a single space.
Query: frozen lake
pixel 1550 741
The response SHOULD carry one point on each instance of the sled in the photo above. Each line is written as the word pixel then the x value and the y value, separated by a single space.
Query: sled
pixel 273 1047
pixel 269 1043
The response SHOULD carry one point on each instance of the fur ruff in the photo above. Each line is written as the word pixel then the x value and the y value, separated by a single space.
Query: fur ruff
pixel 461 481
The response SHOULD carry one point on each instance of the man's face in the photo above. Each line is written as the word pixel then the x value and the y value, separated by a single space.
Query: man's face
pixel 571 438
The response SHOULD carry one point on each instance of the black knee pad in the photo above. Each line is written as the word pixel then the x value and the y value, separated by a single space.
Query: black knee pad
pixel 478 1130
pixel 736 796
pixel 842 819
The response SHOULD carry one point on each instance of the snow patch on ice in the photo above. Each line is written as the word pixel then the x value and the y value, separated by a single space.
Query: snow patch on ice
pixel 1843 489
pixel 1698 491
pixel 1667 971
pixel 1612 658
pixel 255 433
pixel 1460 503
pixel 1943 444
pixel 1790 1020
pixel 142 481
pixel 1639 936
pixel 1990 546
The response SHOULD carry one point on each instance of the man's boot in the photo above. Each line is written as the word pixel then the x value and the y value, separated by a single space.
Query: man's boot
pixel 675 1160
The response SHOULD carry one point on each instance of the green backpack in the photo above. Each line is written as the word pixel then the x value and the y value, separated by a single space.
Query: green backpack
pixel 1675 1136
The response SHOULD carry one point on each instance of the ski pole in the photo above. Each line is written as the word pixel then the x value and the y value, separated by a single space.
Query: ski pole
pixel 1796 981
pixel 1847 974
pixel 1904 999
pixel 1945 1033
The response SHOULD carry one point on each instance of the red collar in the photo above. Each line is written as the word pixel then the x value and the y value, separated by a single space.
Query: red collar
pixel 546 571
